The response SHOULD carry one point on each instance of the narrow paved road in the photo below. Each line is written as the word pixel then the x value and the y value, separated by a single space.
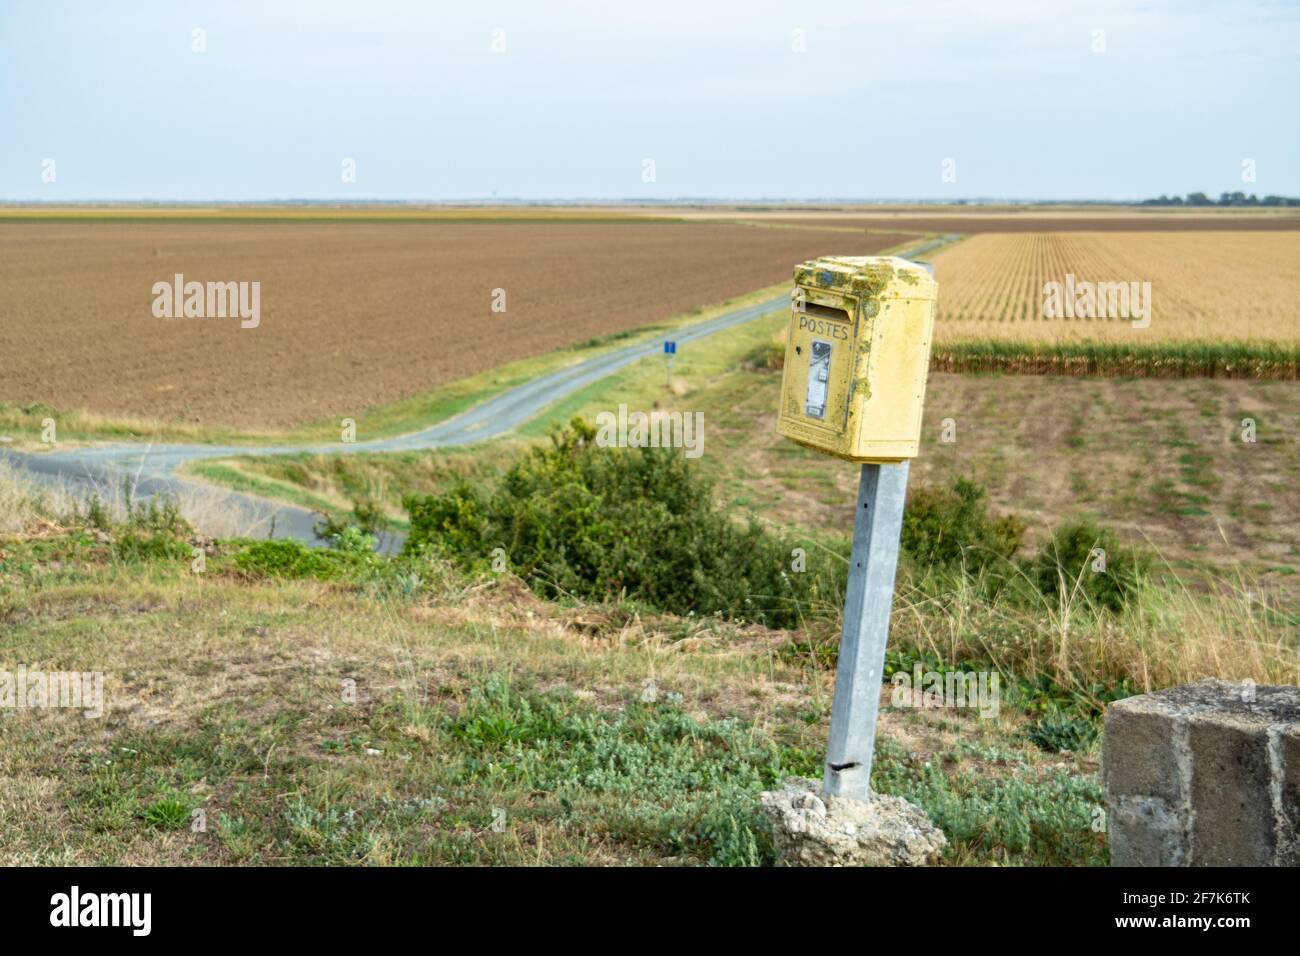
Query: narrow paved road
pixel 151 469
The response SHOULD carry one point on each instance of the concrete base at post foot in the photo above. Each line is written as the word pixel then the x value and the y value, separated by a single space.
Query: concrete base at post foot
pixel 810 830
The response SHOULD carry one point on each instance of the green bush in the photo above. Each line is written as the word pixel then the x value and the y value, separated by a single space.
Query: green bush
pixel 952 526
pixel 152 531
pixel 351 564
pixel 593 523
pixel 1057 732
pixel 358 532
pixel 1068 564
pixel 766 357
pixel 97 515
pixel 134 545
pixel 285 558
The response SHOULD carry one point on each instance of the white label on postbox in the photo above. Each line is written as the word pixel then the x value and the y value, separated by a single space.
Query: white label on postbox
pixel 819 374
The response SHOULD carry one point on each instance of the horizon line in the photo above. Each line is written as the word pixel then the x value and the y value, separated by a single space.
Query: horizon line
pixel 599 201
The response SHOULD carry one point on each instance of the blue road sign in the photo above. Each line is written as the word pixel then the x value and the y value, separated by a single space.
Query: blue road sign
pixel 670 348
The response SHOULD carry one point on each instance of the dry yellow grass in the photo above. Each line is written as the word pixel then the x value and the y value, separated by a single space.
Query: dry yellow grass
pixel 28 506
pixel 1222 286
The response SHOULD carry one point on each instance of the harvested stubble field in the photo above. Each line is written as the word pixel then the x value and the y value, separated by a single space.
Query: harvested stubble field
pixel 1205 286
pixel 1222 304
pixel 352 315
pixel 1223 283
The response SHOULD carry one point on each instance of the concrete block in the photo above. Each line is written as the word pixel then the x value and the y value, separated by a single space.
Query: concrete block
pixel 1232 809
pixel 1145 831
pixel 1137 753
pixel 1288 797
pixel 1207 774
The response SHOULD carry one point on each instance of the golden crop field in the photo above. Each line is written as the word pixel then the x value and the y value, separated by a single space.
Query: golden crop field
pixel 1205 287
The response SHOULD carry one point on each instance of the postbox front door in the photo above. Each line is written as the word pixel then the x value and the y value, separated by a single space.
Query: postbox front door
pixel 821 339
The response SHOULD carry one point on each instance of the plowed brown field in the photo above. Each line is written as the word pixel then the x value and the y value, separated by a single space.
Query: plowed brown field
pixel 352 315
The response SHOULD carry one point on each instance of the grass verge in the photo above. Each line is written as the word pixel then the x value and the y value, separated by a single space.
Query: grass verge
pixel 400 713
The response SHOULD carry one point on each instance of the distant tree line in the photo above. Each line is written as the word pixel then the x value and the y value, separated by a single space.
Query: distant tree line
pixel 1225 199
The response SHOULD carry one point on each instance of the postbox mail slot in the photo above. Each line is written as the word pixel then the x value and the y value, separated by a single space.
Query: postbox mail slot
pixel 827 312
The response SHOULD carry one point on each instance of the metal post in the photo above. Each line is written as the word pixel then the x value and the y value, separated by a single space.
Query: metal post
pixel 876 531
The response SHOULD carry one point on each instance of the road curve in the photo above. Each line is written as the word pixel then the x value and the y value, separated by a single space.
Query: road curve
pixel 151 469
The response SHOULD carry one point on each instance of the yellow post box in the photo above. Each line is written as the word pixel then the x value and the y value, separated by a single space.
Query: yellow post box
pixel 856 360
pixel 857 356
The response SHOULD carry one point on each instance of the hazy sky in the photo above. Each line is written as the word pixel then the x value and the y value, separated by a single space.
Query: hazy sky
pixel 715 93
